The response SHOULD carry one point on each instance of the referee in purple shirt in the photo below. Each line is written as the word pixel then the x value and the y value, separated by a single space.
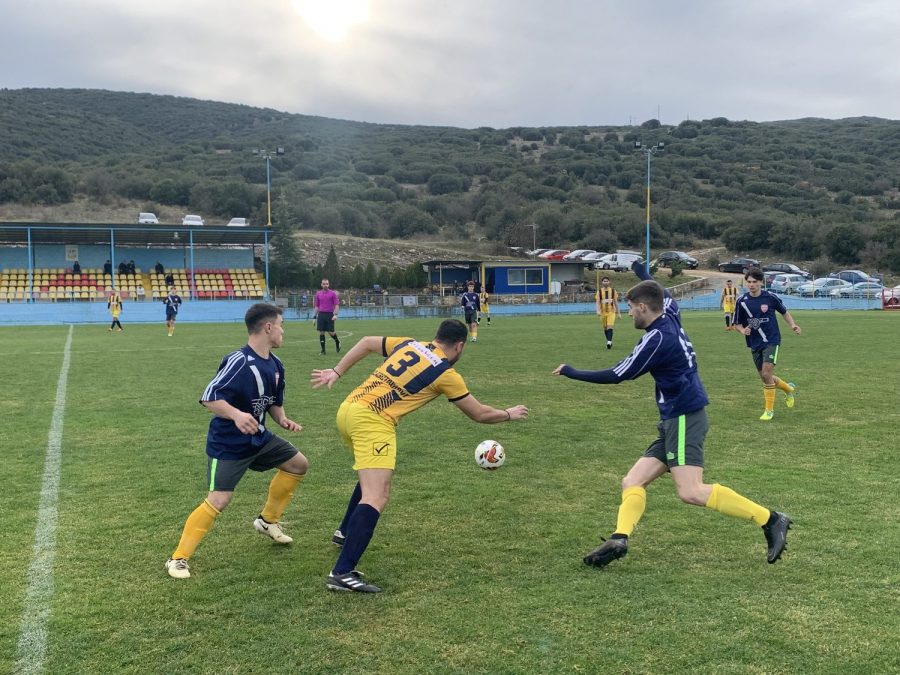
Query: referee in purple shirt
pixel 326 304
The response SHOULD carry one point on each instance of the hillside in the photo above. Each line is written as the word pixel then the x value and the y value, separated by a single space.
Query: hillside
pixel 800 189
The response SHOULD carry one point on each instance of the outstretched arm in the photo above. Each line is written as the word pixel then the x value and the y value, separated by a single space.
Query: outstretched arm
pixel 370 344
pixel 485 414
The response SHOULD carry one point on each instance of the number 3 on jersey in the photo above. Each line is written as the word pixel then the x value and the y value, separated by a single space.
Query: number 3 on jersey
pixel 403 364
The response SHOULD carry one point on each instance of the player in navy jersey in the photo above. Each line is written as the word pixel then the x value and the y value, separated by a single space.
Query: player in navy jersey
pixel 249 384
pixel 666 352
pixel 172 302
pixel 754 316
pixel 471 305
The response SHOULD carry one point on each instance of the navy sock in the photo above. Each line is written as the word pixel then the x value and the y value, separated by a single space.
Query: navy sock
pixel 354 500
pixel 608 332
pixel 361 528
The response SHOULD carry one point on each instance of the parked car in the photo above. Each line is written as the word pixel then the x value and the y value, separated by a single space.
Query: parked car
pixel 738 265
pixel 192 220
pixel 863 289
pixel 853 276
pixel 554 254
pixel 620 262
pixel 537 251
pixel 821 287
pixel 670 258
pixel 594 257
pixel 238 222
pixel 578 254
pixel 786 283
pixel 786 268
pixel 891 296
pixel 147 219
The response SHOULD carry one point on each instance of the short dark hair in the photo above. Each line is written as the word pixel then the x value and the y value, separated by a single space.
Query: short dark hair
pixel 259 314
pixel 451 331
pixel 754 273
pixel 648 292
pixel 604 278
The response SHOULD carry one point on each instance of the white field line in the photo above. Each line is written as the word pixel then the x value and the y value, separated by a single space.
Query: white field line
pixel 32 648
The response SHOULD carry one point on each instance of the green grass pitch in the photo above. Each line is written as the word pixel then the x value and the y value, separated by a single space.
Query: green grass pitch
pixel 482 570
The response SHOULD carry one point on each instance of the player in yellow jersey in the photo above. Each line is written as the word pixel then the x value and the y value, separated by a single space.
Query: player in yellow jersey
pixel 114 305
pixel 413 373
pixel 729 298
pixel 607 308
pixel 485 312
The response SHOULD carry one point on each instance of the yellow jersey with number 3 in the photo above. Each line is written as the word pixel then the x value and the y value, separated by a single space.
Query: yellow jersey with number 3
pixel 413 374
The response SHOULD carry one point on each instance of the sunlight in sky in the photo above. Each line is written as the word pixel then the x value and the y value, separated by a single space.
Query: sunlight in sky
pixel 332 19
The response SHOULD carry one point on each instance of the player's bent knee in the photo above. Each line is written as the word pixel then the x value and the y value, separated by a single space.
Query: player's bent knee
pixel 297 464
pixel 219 499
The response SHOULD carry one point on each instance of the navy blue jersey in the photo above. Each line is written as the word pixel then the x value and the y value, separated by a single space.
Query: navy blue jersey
pixel 759 314
pixel 470 301
pixel 667 354
pixel 251 384
pixel 172 302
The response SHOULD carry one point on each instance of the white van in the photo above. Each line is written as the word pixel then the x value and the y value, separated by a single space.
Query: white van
pixel 238 222
pixel 619 262
pixel 147 219
pixel 192 220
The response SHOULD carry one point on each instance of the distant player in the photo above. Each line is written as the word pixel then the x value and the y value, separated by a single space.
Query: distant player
pixel 608 308
pixel 471 306
pixel 173 303
pixel 485 311
pixel 413 373
pixel 729 298
pixel 755 318
pixel 327 304
pixel 249 384
pixel 114 305
pixel 666 352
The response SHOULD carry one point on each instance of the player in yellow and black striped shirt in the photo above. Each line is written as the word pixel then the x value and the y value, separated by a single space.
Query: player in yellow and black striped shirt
pixel 414 372
pixel 729 298
pixel 608 308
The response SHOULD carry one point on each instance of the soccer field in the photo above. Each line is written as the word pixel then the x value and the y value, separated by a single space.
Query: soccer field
pixel 481 571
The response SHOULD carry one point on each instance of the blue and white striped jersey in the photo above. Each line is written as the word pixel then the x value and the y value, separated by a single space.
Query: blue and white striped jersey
pixel 251 384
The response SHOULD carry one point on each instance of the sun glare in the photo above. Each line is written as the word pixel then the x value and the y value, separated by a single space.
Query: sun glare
pixel 332 19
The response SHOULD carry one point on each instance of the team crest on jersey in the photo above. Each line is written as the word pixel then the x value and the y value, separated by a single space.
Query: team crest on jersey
pixel 764 308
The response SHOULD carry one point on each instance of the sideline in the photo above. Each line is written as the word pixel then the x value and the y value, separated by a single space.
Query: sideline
pixel 32 647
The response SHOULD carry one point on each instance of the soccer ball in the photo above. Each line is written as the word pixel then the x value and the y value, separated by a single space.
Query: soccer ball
pixel 490 455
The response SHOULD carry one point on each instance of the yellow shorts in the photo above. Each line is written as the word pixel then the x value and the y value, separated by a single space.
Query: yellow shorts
pixel 372 438
pixel 728 307
pixel 608 319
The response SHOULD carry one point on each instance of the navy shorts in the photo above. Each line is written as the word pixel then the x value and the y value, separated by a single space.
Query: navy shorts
pixel 224 474
pixel 471 316
pixel 680 441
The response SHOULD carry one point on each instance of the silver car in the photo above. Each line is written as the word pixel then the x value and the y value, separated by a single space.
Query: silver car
pixel 786 283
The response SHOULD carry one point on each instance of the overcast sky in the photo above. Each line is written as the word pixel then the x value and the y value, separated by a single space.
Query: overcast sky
pixel 471 63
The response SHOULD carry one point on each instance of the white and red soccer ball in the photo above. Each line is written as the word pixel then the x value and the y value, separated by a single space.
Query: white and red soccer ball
pixel 490 455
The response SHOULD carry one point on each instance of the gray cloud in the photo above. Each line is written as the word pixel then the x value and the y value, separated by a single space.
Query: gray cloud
pixel 467 63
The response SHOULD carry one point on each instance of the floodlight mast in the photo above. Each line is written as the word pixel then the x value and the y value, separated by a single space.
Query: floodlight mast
pixel 649 151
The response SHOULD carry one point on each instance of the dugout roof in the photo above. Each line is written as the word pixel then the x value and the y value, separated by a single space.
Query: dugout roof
pixel 20 234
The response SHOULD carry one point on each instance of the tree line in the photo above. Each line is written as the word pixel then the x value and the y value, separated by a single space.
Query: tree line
pixel 803 189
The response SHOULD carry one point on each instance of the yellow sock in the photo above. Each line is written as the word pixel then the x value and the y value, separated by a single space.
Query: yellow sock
pixel 727 501
pixel 769 395
pixel 281 490
pixel 196 527
pixel 634 501
pixel 784 386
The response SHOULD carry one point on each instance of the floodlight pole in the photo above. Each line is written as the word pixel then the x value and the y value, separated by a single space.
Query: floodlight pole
pixel 267 155
pixel 533 227
pixel 659 147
